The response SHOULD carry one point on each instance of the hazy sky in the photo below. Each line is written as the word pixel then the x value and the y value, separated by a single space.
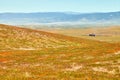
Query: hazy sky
pixel 59 5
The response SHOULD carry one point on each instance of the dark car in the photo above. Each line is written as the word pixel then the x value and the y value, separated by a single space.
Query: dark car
pixel 92 34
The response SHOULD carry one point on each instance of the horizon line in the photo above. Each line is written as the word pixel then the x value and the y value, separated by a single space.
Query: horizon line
pixel 61 12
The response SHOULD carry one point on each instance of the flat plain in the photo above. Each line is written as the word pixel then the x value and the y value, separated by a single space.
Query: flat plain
pixel 107 34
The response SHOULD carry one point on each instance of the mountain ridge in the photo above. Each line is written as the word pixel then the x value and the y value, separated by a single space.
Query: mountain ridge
pixel 57 17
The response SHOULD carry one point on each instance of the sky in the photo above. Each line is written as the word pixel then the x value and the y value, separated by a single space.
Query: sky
pixel 82 6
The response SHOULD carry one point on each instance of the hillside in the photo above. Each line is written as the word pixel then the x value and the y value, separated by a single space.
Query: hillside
pixel 14 38
pixel 27 54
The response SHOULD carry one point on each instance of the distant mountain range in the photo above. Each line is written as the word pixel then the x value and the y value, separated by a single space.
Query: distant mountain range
pixel 60 18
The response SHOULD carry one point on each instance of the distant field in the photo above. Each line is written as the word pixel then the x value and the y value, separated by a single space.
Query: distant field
pixel 108 34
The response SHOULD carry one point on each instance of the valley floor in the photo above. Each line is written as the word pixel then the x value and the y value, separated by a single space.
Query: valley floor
pixel 106 34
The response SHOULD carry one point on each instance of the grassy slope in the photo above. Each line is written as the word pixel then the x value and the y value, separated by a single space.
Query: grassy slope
pixel 81 59
pixel 14 38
